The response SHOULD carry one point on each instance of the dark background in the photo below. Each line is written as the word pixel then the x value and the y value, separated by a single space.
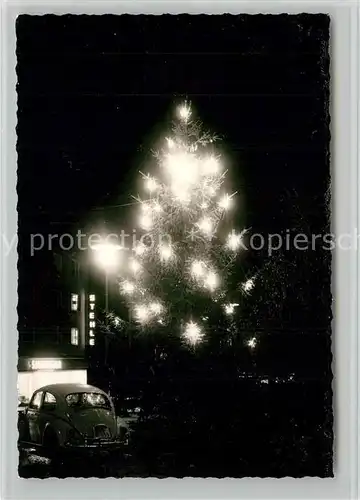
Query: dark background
pixel 95 93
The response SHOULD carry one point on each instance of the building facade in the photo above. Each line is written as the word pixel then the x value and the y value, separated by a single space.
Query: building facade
pixel 56 325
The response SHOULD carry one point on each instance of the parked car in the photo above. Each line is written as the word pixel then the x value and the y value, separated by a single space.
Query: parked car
pixel 130 409
pixel 72 417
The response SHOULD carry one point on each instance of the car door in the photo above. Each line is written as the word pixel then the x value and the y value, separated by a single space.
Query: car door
pixel 33 414
pixel 47 412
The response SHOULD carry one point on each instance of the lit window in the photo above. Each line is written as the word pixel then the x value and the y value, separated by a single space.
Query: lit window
pixel 45 364
pixel 92 315
pixel 92 342
pixel 91 333
pixel 74 336
pixel 92 298
pixel 74 301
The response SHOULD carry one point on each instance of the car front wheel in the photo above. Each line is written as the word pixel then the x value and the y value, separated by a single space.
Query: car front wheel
pixel 51 442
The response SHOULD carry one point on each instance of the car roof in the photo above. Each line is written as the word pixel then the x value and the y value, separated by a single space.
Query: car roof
pixel 64 389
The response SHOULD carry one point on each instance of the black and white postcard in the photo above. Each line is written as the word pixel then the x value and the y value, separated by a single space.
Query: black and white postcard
pixel 174 246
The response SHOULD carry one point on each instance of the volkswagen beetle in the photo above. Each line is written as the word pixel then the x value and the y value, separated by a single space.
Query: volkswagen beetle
pixel 72 417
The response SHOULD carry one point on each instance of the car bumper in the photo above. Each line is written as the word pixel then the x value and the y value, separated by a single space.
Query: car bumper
pixel 101 447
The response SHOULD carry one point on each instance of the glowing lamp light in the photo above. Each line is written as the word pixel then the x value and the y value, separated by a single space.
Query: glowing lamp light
pixel 197 269
pixel 157 207
pixel 211 281
pixel 155 308
pixel 150 184
pixel 206 226
pixel 193 334
pixel 46 364
pixel 146 221
pixel 210 166
pixel 183 168
pixel 170 143
pixel 140 248
pixel 184 112
pixel 252 343
pixel 230 308
pixel 183 171
pixel 249 285
pixel 128 287
pixel 225 202
pixel 135 266
pixel 141 313
pixel 145 207
pixel 234 241
pixel 210 189
pixel 165 252
pixel 182 195
pixel 107 254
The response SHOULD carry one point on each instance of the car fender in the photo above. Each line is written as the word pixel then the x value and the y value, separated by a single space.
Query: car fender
pixel 60 427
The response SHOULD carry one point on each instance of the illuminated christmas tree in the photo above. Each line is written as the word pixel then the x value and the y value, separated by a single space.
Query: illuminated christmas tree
pixel 180 271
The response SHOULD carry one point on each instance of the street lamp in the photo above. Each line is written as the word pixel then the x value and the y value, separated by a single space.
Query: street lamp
pixel 107 257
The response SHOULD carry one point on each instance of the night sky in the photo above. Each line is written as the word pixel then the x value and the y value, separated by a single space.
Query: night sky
pixel 96 93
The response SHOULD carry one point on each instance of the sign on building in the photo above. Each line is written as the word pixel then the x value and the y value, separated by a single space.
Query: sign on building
pixel 92 319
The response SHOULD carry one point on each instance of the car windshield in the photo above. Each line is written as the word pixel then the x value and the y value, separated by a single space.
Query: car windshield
pixel 87 400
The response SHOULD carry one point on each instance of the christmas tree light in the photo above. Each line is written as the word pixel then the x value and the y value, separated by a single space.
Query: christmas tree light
pixel 185 275
pixel 197 268
pixel 252 343
pixel 193 334
pixel 249 285
pixel 135 266
pixel 225 202
pixel 230 308
pixel 128 287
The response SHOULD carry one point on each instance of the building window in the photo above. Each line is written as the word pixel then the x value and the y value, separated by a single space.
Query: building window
pixel 35 403
pixel 75 336
pixel 49 402
pixel 92 342
pixel 74 302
